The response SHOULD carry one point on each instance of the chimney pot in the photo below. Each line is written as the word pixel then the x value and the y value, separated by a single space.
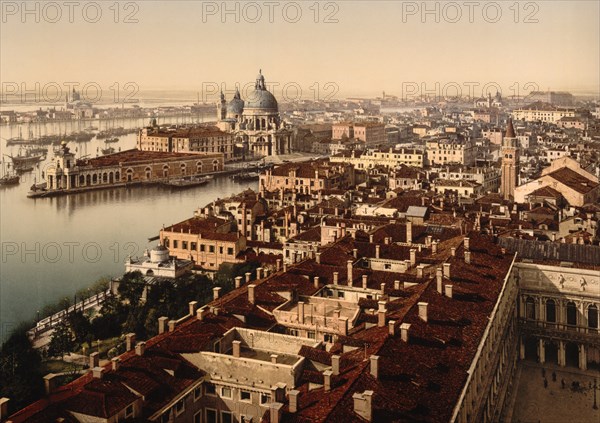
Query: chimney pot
pixel 335 364
pixel 365 281
pixel 438 277
pixel 434 247
pixel 251 293
pixel 162 324
pixel 98 372
pixel 140 348
pixel 318 257
pixel 316 282
pixel 392 327
pixel 94 360
pixel 238 281
pixel 201 313
pixel 466 243
pixel 193 306
pixel 327 380
pixel 216 291
pixel 129 341
pixel 293 405
pixel 259 273
pixel 453 251
pixel 404 331
pixel 248 275
pixel 467 257
pixel 381 318
pixel 335 278
pixel 236 347
pixel 422 311
pixel 377 251
pixel 172 325
pixel 448 290
pixel 446 270
pixel 355 253
pixel 116 361
pixel 420 271
pixel 375 366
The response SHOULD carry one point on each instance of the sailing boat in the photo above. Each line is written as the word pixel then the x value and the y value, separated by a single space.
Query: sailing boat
pixel 8 178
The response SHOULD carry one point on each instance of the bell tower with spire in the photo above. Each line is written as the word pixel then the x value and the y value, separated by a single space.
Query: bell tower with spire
pixel 510 162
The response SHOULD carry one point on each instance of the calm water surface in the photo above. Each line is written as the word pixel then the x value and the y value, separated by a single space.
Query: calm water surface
pixel 51 247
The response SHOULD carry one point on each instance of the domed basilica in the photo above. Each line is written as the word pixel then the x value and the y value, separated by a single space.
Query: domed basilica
pixel 255 122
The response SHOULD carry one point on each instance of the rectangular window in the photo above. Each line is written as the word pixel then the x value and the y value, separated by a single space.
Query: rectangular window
pixel 245 396
pixel 129 411
pixel 341 294
pixel 220 250
pixel 226 417
pixel 198 417
pixel 226 392
pixel 211 248
pixel 265 398
pixel 175 244
pixel 198 393
pixel 310 334
pixel 211 416
pixel 194 246
pixel 209 389
pixel 179 407
pixel 184 245
pixel 229 251
pixel 202 247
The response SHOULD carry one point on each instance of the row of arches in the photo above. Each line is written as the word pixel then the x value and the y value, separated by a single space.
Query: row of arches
pixel 552 314
pixel 91 179
pixel 560 353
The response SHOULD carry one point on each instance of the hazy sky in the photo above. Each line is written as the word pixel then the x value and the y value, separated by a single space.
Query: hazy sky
pixel 373 46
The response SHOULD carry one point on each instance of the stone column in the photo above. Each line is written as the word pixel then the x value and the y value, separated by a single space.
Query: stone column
pixel 582 357
pixel 562 360
pixel 542 351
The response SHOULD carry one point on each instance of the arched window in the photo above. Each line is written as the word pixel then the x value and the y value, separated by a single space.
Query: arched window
pixel 571 313
pixel 105 177
pixel 551 311
pixel 95 179
pixel 530 308
pixel 215 165
pixel 129 175
pixel 183 169
pixel 199 167
pixel 81 180
pixel 148 171
pixel 165 171
pixel 592 317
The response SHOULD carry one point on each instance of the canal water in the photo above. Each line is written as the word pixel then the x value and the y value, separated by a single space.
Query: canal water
pixel 52 247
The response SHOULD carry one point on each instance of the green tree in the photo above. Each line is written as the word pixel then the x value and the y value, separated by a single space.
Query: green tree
pixel 62 340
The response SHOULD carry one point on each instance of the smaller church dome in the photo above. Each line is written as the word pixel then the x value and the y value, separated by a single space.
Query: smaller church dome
pixel 235 106
pixel 159 254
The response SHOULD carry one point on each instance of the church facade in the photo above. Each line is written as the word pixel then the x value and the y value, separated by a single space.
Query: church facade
pixel 255 122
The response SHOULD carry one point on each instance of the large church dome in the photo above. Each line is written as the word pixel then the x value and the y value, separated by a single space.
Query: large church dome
pixel 260 98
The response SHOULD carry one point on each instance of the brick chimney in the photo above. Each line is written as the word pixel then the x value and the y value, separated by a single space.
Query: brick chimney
pixel 274 358
pixel 192 307
pixel 162 324
pixel 3 409
pixel 216 291
pixel 434 245
pixel 381 318
pixel 172 325
pixel 404 331
pixel 251 298
pixel 98 372
pixel 236 347
pixel 129 341
pixel 422 311
pixel 439 280
pixel 294 396
pixel 116 361
pixel 278 264
pixel 413 256
pixel 392 328
pixel 259 273
pixel 467 257
pixel 94 360
pixel 448 289
pixel 238 281
pixel 374 366
pixel 335 364
pixel 335 278
pixel 365 281
pixel 201 314
pixel 420 271
pixel 377 251
pixel 50 383
pixel 327 380
pixel 453 251
pixel 318 257
pixel 349 272
pixel 446 270
pixel 275 412
pixel 248 275
pixel 140 348
pixel 466 243
pixel 363 404
pixel 382 288
pixel 409 237
pixel 355 253
pixel 396 285
pixel 316 282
